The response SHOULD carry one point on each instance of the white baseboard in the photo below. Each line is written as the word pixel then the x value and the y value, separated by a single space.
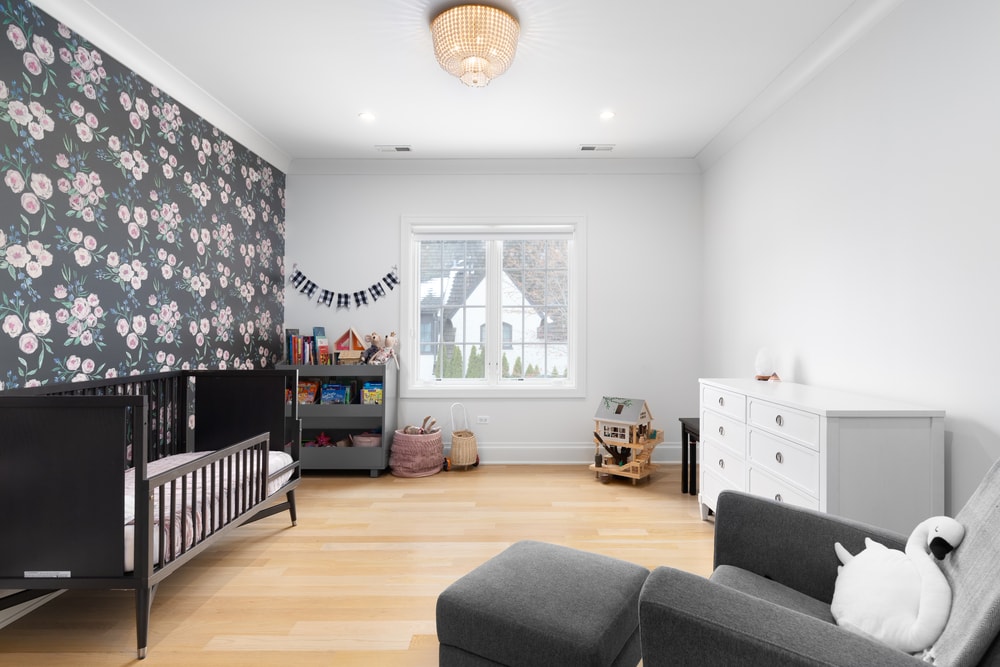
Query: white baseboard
pixel 552 453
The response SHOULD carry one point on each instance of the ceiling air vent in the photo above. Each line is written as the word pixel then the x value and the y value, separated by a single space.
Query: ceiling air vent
pixel 597 147
pixel 389 148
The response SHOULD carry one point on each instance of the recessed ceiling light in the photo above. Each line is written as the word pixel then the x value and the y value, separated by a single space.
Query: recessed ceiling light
pixel 607 115
pixel 366 116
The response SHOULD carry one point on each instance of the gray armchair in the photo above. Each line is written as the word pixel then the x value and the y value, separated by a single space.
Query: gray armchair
pixel 767 601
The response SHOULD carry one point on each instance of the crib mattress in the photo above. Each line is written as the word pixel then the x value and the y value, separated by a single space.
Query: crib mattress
pixel 192 523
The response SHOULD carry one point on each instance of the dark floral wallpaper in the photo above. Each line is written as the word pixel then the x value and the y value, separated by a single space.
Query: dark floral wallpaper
pixel 134 235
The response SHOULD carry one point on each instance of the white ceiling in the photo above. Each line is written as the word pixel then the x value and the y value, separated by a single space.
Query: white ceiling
pixel 290 78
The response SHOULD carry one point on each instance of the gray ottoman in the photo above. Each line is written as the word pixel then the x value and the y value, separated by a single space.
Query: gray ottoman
pixel 542 604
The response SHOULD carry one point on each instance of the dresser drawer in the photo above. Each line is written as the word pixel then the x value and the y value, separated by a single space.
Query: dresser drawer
pixel 794 463
pixel 802 427
pixel 711 486
pixel 723 431
pixel 723 463
pixel 728 403
pixel 762 484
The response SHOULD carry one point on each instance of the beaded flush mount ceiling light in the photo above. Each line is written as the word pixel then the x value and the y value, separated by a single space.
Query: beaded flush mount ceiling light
pixel 476 43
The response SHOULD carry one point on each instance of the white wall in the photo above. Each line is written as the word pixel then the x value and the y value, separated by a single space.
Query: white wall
pixel 644 241
pixel 856 232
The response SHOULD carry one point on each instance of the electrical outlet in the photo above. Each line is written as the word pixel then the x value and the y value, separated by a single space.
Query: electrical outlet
pixel 482 419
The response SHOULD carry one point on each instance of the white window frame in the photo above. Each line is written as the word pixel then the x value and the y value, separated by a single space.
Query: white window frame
pixel 414 229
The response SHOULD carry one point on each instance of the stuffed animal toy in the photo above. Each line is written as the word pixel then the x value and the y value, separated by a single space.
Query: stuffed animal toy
pixel 386 351
pixel 375 344
pixel 902 599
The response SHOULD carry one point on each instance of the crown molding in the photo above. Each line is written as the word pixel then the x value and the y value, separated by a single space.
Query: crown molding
pixel 856 21
pixel 102 31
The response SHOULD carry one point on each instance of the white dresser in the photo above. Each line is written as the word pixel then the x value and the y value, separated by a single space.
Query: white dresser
pixel 866 458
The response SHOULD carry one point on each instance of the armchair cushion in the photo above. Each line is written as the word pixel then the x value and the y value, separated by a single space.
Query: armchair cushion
pixel 772 591
pixel 685 619
pixel 973 571
pixel 790 545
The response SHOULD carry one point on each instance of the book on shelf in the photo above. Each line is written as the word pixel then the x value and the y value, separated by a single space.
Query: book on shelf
pixel 308 391
pixel 371 393
pixel 335 393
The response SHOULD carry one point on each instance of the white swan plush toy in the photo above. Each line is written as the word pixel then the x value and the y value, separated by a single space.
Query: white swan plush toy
pixel 902 599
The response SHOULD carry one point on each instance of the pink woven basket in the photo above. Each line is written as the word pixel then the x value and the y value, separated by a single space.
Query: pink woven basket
pixel 416 455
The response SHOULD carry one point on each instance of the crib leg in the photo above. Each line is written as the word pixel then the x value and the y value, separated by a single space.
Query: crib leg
pixel 143 603
pixel 291 506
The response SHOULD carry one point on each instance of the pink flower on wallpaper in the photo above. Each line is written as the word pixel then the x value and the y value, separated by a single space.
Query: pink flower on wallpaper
pixel 39 322
pixel 32 63
pixel 84 132
pixel 60 292
pixel 89 242
pixel 82 256
pixel 88 365
pixel 16 37
pixel 28 343
pixel 18 256
pixel 14 180
pixel 41 185
pixel 132 341
pixel 30 203
pixel 19 112
pixel 75 235
pixel 12 326
pixel 73 362
pixel 122 326
pixel 83 58
pixel 43 49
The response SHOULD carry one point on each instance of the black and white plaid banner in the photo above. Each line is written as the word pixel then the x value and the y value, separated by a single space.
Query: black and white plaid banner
pixel 305 286
pixel 309 288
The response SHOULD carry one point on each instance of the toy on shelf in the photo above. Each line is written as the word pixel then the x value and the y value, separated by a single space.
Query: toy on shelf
pixel 623 428
pixel 349 348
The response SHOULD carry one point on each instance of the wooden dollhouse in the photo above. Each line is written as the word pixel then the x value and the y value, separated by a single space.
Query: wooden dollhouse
pixel 624 438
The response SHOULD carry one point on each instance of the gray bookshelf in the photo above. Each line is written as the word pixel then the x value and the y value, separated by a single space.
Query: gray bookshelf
pixel 338 421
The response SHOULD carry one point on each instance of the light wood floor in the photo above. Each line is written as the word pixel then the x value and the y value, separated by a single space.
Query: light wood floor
pixel 355 583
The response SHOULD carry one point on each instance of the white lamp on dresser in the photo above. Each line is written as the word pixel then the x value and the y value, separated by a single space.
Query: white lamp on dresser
pixel 862 457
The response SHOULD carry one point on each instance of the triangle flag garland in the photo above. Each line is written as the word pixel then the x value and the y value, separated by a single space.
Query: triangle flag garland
pixel 326 296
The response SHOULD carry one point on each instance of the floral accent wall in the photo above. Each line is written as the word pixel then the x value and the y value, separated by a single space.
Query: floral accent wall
pixel 134 235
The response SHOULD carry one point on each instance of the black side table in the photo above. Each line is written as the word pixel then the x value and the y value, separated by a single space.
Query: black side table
pixel 689 453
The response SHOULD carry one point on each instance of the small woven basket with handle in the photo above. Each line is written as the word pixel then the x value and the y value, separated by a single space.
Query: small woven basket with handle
pixel 464 451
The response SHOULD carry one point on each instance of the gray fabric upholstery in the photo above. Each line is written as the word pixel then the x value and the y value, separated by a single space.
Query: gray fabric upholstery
pixel 770 590
pixel 790 545
pixel 542 604
pixel 973 571
pixel 767 603
pixel 685 619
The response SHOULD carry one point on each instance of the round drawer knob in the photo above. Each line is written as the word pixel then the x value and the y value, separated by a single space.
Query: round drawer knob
pixel 722 463
pixel 779 420
pixel 722 430
pixel 777 497
pixel 779 457
pixel 722 401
